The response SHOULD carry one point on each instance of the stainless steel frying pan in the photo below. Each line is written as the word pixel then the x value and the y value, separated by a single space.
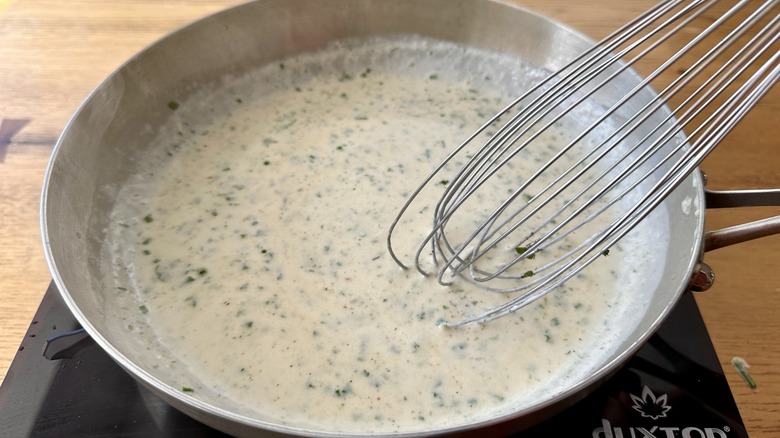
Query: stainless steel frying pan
pixel 96 154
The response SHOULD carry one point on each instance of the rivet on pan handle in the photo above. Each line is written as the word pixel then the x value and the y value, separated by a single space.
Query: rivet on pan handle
pixel 703 278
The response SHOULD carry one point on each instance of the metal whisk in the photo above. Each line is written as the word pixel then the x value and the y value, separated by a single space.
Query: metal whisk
pixel 626 150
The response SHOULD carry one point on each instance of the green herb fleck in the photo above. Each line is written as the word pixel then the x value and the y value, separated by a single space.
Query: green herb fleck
pixel 342 392
pixel 522 250
pixel 187 389
pixel 527 274
pixel 148 218
pixel 742 368
pixel 158 272
pixel 605 252
pixel 143 309
pixel 173 105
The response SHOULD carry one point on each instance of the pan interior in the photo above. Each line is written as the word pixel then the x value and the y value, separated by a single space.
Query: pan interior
pixel 253 245
pixel 103 247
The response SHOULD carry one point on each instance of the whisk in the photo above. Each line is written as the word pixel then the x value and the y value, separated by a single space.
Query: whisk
pixel 631 149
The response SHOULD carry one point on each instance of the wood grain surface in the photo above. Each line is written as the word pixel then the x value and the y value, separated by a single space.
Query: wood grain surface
pixel 53 53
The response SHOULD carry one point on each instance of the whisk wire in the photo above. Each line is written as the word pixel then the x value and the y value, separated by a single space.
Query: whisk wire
pixel 647 153
pixel 626 30
pixel 537 110
pixel 584 73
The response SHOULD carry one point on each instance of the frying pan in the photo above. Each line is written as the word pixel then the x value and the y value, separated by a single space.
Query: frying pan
pixel 98 150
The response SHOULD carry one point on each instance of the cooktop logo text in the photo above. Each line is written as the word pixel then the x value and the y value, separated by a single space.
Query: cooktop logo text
pixel 654 407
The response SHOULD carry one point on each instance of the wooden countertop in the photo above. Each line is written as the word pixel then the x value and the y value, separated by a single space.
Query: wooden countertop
pixel 53 53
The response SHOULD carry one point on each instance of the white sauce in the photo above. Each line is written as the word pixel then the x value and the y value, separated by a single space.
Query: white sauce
pixel 260 249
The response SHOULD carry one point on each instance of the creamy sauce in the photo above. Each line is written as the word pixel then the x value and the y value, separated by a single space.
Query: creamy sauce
pixel 259 249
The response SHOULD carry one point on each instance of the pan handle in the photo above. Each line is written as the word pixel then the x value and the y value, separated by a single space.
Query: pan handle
pixel 747 231
pixel 703 277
